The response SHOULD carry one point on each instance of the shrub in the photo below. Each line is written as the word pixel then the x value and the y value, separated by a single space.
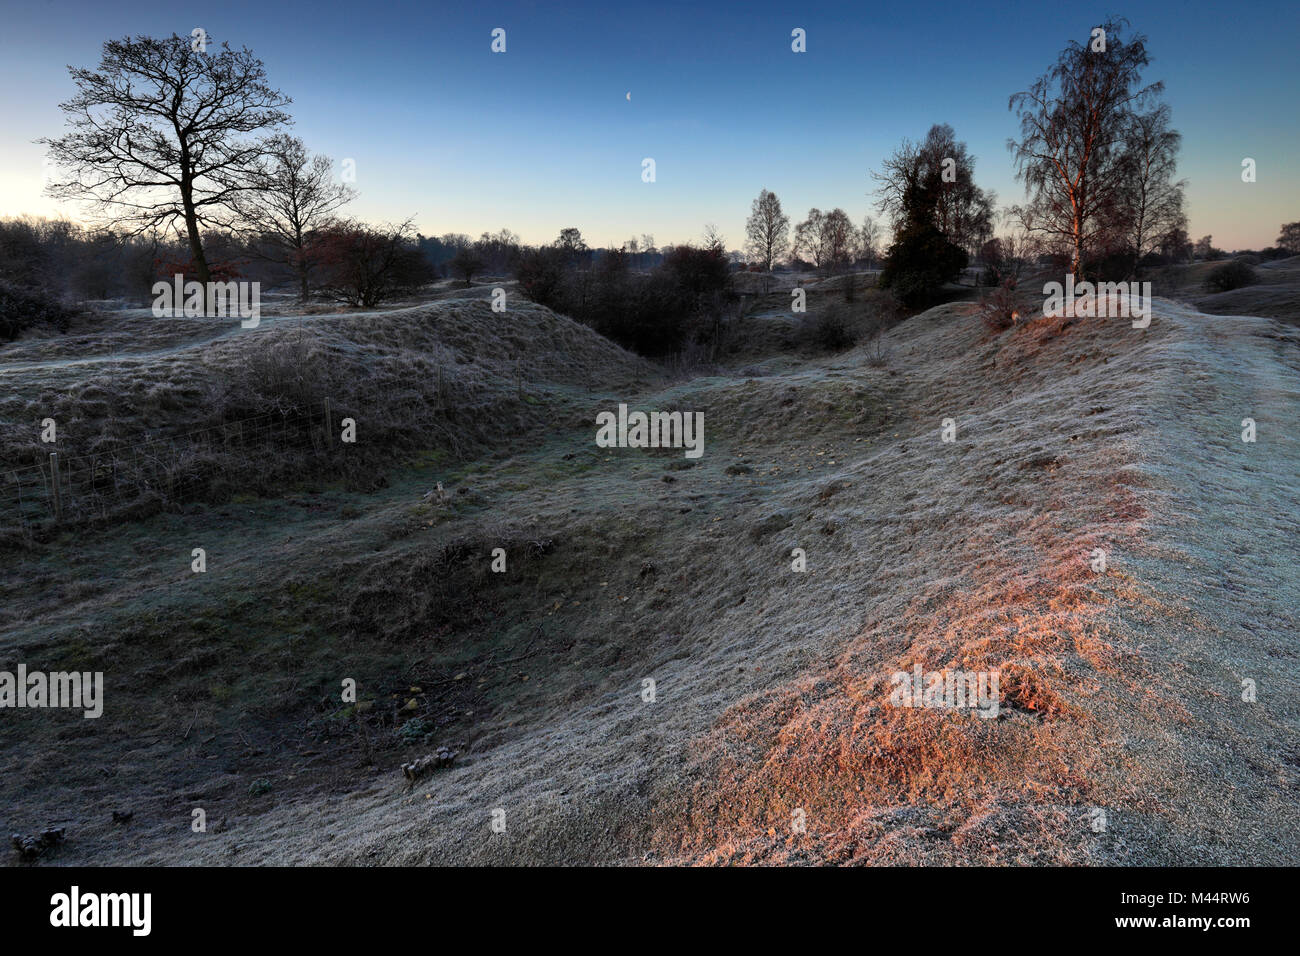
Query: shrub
pixel 541 274
pixel 652 314
pixel 834 328
pixel 288 374
pixel 1229 276
pixel 839 325
pixel 365 266
pixel 1000 308
pixel 920 261
pixel 21 309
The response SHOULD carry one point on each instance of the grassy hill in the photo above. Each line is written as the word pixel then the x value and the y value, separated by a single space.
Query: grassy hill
pixel 1121 691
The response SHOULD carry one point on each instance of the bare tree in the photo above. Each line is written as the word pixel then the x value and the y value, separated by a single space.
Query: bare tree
pixel 1176 245
pixel 296 198
pixel 1289 238
pixel 160 136
pixel 571 245
pixel 826 239
pixel 841 239
pixel 1072 123
pixel 1006 257
pixel 498 252
pixel 869 241
pixel 810 238
pixel 768 230
pixel 467 263
pixel 1152 201
pixel 364 266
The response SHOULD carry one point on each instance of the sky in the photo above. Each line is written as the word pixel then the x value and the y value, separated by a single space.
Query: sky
pixel 545 135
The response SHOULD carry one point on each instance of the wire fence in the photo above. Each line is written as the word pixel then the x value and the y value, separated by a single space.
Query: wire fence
pixel 70 488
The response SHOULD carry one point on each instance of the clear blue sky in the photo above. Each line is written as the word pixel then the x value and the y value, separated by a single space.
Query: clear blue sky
pixel 543 136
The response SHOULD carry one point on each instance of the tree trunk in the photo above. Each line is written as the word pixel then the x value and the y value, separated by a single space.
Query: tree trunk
pixel 301 263
pixel 204 275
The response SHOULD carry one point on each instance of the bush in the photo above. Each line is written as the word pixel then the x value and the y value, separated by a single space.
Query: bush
pixel 541 274
pixel 365 267
pixel 287 374
pixel 1000 308
pixel 1229 276
pixel 920 261
pixel 839 325
pixel 834 329
pixel 21 309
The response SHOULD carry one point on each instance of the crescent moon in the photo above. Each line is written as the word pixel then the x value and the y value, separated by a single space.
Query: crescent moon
pixel 629 96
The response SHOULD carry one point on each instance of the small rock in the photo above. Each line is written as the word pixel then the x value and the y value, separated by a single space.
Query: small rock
pixel 31 847
pixel 440 758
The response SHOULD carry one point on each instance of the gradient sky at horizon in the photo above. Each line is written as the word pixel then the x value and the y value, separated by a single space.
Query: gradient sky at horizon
pixel 543 136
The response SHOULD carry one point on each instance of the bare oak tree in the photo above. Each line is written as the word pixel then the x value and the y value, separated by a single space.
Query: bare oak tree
pixel 768 230
pixel 160 136
pixel 295 199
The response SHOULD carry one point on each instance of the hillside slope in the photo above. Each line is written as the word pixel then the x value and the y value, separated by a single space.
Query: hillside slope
pixel 1121 691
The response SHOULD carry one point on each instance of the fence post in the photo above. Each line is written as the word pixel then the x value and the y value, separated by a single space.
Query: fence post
pixel 54 483
pixel 329 424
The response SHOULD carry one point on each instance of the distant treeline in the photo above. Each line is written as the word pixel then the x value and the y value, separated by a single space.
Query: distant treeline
pixel 182 154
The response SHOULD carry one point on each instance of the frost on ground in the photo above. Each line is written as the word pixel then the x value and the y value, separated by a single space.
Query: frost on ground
pixel 1122 736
